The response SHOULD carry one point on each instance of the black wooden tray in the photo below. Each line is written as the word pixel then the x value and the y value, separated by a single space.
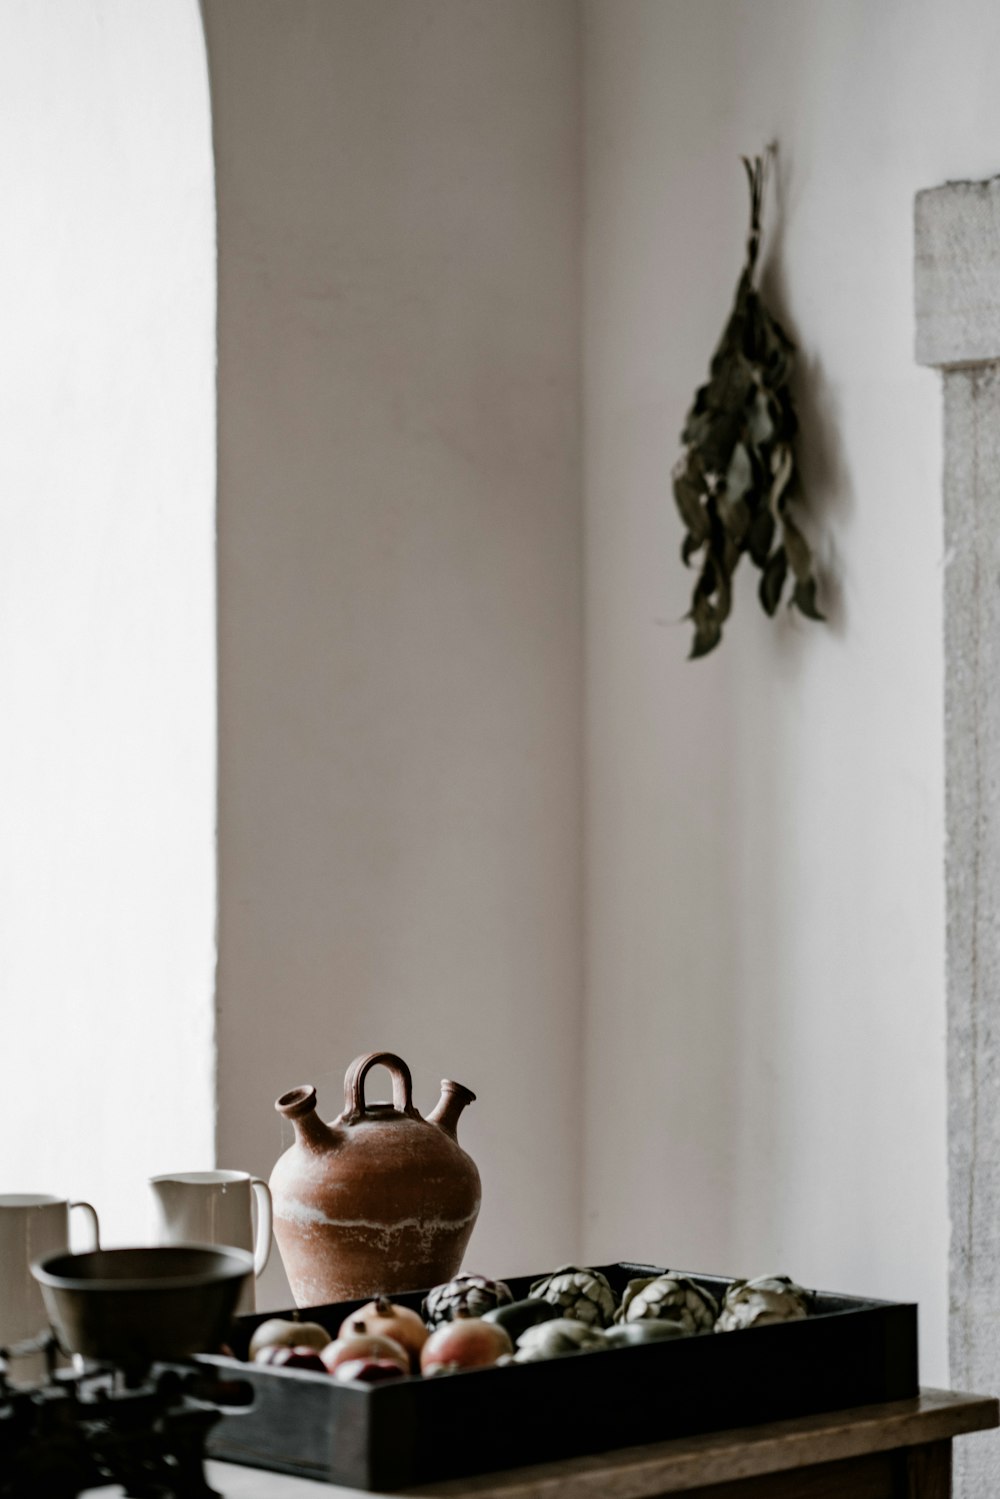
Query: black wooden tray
pixel 851 1352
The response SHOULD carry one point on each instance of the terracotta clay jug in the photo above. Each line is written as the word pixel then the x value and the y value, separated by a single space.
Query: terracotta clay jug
pixel 378 1201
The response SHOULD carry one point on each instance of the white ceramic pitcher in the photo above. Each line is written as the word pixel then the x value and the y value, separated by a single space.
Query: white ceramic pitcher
pixel 32 1227
pixel 215 1207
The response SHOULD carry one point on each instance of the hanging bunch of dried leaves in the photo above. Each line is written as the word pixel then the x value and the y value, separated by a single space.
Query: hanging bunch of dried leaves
pixel 738 474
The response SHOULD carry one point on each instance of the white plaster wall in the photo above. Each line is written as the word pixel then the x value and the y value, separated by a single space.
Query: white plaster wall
pixel 400 577
pixel 764 855
pixel 107 466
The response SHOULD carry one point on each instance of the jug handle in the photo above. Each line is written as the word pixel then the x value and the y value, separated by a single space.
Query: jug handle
pixel 354 1085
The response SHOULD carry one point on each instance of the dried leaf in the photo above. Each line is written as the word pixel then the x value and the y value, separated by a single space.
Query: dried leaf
pixel 707 625
pixel 689 503
pixel 707 635
pixel 797 548
pixel 738 479
pixel 773 580
pixel 689 547
pixel 716 447
pixel 732 387
pixel 804 599
pixel 697 428
pixel 735 516
pixel 782 467
pixel 760 537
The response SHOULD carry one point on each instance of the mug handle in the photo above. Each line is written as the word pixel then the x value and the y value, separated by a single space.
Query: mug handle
pixel 262 1252
pixel 94 1224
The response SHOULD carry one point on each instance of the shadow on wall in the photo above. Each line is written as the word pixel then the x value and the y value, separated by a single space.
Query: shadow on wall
pixel 827 496
pixel 768 839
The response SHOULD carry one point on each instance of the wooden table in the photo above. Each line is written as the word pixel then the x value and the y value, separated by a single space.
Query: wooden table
pixel 898 1451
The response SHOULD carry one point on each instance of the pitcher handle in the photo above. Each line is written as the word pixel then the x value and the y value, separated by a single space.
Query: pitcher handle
pixel 354 1085
pixel 262 1251
pixel 94 1223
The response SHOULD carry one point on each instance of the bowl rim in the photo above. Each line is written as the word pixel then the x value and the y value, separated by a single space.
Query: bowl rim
pixel 232 1263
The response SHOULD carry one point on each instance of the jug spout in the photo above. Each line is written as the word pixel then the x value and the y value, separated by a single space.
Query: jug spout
pixel 453 1100
pixel 299 1106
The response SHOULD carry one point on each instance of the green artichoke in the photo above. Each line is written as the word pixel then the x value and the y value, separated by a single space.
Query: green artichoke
pixel 755 1303
pixel 582 1295
pixel 466 1296
pixel 552 1339
pixel 670 1298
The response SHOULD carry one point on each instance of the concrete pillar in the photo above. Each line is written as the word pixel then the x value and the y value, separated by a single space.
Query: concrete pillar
pixel 957 284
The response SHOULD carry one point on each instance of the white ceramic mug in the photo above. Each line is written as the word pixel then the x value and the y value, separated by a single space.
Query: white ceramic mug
pixel 32 1227
pixel 215 1207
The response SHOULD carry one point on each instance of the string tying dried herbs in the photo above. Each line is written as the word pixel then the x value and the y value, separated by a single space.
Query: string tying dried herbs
pixel 738 473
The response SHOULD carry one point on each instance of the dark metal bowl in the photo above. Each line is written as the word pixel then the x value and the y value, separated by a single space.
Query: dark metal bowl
pixel 132 1307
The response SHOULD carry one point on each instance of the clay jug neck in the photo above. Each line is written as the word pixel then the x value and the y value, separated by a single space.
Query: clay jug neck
pixel 453 1100
pixel 299 1106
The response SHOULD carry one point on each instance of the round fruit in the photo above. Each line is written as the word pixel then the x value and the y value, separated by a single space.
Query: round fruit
pixel 281 1356
pixel 356 1342
pixel 385 1319
pixel 276 1332
pixel 465 1343
pixel 368 1370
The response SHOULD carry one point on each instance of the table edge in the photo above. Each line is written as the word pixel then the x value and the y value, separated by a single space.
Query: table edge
pixel 690 1463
